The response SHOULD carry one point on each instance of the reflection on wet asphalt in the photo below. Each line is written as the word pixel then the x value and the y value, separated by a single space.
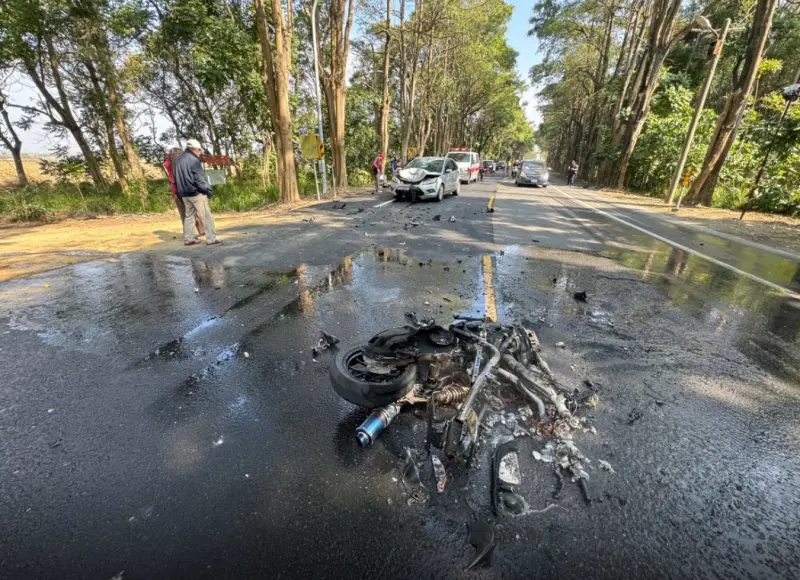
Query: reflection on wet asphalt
pixel 165 416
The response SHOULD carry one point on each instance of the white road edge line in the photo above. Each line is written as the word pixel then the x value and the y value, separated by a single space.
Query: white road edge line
pixel 384 203
pixel 682 247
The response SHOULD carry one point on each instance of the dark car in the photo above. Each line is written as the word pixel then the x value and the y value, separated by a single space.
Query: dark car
pixel 533 173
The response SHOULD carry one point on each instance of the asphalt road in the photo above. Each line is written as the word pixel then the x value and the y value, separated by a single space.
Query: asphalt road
pixel 161 413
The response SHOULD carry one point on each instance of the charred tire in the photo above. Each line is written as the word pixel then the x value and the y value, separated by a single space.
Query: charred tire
pixel 363 392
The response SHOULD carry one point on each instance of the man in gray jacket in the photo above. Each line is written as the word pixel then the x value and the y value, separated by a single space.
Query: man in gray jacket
pixel 193 188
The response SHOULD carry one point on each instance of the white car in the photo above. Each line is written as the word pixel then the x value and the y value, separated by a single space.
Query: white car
pixel 469 165
pixel 426 178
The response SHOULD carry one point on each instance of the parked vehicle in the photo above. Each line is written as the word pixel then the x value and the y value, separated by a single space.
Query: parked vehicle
pixel 468 162
pixel 488 166
pixel 533 173
pixel 501 165
pixel 427 178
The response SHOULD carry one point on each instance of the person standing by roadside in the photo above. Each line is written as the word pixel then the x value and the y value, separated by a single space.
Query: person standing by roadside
pixel 377 171
pixel 395 164
pixel 193 188
pixel 573 172
pixel 171 155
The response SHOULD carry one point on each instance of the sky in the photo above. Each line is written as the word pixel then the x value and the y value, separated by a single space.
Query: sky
pixel 527 49
pixel 36 142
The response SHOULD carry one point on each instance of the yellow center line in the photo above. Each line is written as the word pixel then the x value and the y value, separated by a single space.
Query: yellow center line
pixel 490 306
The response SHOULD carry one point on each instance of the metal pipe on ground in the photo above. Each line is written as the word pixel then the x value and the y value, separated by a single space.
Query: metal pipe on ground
pixel 526 375
pixel 514 380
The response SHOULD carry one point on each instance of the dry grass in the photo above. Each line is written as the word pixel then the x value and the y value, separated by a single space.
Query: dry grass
pixel 8 175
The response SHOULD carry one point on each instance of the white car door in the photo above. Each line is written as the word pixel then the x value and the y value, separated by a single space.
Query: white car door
pixel 452 176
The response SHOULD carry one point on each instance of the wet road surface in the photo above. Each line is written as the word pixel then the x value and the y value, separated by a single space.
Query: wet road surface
pixel 161 413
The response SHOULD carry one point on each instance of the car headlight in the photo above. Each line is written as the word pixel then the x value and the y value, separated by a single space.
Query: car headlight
pixel 429 181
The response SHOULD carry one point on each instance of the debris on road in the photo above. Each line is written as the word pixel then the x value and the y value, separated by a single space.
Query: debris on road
pixel 560 344
pixel 327 340
pixel 436 218
pixel 481 535
pixel 606 466
pixel 452 219
pixel 580 296
pixel 441 474
pixel 310 220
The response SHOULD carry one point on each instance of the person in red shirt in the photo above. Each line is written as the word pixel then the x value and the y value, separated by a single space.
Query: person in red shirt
pixel 377 171
pixel 173 153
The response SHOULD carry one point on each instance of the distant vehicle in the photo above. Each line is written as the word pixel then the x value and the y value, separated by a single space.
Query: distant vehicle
pixel 469 164
pixel 488 166
pixel 501 165
pixel 426 178
pixel 533 173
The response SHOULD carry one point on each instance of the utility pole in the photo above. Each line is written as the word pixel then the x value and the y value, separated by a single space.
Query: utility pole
pixel 687 144
pixel 790 93
pixel 319 98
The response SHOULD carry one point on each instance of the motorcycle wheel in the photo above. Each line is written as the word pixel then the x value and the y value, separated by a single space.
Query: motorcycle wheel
pixel 354 383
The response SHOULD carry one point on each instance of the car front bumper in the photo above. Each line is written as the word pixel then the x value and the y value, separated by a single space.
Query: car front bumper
pixel 532 180
pixel 407 191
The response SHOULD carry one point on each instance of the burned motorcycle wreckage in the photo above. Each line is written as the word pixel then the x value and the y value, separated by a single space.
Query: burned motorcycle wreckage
pixel 425 363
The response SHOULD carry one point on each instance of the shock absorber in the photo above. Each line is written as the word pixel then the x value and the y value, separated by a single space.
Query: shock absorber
pixel 451 395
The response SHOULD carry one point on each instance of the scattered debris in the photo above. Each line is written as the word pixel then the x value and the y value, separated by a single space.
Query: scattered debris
pixel 246 354
pixel 452 219
pixel 535 241
pixel 410 477
pixel 327 340
pixel 117 576
pixel 606 466
pixel 56 443
pixel 634 416
pixel 310 220
pixel 196 290
pixel 560 344
pixel 481 535
pixel 580 296
pixel 441 475
pixel 436 218
pixel 509 469
pixel 415 221
pixel 340 207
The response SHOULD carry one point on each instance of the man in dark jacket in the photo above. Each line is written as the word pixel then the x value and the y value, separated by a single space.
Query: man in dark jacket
pixel 193 188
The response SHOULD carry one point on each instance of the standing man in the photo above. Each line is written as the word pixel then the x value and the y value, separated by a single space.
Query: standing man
pixel 573 172
pixel 377 171
pixel 395 164
pixel 193 188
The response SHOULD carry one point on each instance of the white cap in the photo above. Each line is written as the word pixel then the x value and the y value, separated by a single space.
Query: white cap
pixel 193 144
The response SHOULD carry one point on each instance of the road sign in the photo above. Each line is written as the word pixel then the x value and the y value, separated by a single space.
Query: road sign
pixel 687 176
pixel 312 147
pixel 223 160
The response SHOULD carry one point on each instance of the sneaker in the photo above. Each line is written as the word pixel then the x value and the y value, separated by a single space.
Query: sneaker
pixel 192 243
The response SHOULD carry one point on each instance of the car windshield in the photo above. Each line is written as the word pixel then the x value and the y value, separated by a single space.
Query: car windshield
pixel 532 165
pixel 432 164
pixel 487 163
pixel 459 156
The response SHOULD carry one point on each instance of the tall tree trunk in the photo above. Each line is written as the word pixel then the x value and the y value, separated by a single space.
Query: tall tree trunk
pixel 12 142
pixel 108 123
pixel 702 190
pixel 61 106
pixel 661 38
pixel 334 81
pixel 276 81
pixel 386 102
